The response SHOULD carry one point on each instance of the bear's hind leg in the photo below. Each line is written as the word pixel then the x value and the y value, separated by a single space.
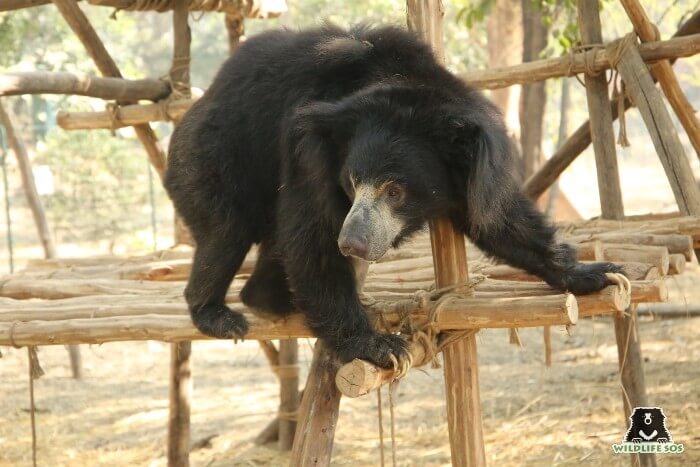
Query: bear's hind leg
pixel 267 288
pixel 216 261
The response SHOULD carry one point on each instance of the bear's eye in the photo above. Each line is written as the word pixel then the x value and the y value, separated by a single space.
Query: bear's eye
pixel 394 192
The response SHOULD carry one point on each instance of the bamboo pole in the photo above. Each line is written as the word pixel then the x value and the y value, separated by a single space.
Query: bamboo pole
pixel 81 84
pixel 663 71
pixel 581 138
pixel 318 413
pixel 541 70
pixel 82 28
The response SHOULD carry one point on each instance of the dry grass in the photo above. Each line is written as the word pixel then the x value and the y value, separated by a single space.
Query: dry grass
pixel 566 415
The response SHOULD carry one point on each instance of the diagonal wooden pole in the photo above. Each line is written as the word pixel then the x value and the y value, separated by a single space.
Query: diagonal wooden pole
pixel 450 260
pixel 663 72
pixel 82 28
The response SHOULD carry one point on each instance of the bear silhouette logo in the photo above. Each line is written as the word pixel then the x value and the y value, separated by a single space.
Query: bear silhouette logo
pixel 648 425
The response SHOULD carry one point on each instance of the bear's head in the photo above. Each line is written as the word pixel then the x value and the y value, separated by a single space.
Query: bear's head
pixel 403 155
pixel 648 425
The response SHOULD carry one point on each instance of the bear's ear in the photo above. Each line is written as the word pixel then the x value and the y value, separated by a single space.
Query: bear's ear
pixel 481 155
pixel 316 137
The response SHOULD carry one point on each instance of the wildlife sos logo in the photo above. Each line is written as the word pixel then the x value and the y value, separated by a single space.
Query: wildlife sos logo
pixel 648 434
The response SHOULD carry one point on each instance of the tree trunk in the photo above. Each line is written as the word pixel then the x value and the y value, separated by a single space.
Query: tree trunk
pixel 505 39
pixel 533 97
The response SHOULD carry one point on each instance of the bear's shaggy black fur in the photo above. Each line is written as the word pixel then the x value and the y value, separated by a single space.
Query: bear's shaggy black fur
pixel 291 126
pixel 648 425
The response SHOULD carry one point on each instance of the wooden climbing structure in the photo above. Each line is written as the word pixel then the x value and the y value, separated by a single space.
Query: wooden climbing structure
pixel 427 290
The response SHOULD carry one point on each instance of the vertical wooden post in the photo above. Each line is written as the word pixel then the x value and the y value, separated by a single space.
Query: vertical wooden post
pixel 179 413
pixel 180 371
pixel 289 392
pixel 631 369
pixel 450 261
pixel 318 413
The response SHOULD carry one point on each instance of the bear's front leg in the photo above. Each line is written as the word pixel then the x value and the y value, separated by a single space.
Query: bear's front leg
pixel 324 287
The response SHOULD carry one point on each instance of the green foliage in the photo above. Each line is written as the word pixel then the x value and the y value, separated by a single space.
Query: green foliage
pixel 474 12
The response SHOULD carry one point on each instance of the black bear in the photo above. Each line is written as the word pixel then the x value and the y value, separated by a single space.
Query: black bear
pixel 327 146
pixel 648 425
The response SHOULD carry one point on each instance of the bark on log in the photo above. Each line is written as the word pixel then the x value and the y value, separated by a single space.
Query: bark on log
pixel 123 116
pixel 656 255
pixel 250 8
pixel 289 393
pixel 676 244
pixel 663 72
pixel 541 70
pixel 318 413
pixel 81 84
pixel 97 319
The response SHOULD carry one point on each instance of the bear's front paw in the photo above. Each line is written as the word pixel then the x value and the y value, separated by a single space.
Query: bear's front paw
pixel 637 440
pixel 220 321
pixel 589 278
pixel 376 348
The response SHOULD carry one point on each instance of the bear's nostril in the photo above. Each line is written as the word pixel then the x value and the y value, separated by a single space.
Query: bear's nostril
pixel 353 247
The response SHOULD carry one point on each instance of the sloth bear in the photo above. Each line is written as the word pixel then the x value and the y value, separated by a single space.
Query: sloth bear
pixel 327 147
pixel 648 425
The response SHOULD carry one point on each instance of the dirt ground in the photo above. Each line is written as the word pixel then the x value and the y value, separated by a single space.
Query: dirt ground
pixel 565 415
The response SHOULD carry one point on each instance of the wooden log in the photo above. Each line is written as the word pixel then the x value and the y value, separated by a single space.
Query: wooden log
pixel 250 8
pixel 82 28
pixel 461 368
pixel 656 255
pixel 581 138
pixel 123 116
pixel 81 84
pixel 318 413
pixel 289 393
pixel 676 264
pixel 359 377
pixel 113 318
pixel 669 310
pixel 179 406
pixel 179 422
pixel 589 251
pixel 676 244
pixel 663 134
pixel 541 70
pixel 663 71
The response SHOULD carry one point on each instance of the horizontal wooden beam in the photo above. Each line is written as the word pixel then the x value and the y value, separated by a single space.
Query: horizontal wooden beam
pixel 541 70
pixel 128 318
pixel 253 9
pixel 43 82
pixel 123 116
